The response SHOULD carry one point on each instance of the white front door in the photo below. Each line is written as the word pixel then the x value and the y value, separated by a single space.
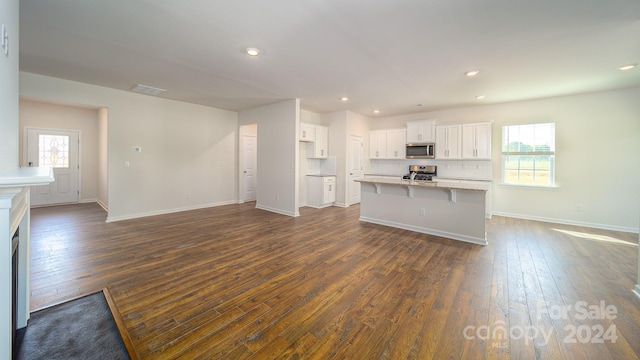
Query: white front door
pixel 249 172
pixel 58 149
pixel 355 168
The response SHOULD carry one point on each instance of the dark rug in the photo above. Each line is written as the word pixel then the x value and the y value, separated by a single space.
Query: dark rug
pixel 79 329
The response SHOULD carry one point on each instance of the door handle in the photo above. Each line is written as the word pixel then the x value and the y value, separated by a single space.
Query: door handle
pixel 30 163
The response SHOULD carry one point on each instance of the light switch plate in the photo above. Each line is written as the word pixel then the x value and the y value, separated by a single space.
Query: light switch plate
pixel 4 40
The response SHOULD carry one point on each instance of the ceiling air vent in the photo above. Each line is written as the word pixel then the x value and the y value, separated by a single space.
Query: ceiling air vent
pixel 147 90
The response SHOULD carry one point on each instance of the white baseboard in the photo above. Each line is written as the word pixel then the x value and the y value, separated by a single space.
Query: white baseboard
pixel 86 201
pixel 103 205
pixel 317 207
pixel 636 290
pixel 168 211
pixel 445 234
pixel 278 211
pixel 569 222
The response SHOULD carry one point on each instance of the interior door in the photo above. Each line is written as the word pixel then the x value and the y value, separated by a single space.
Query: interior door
pixel 58 149
pixel 356 168
pixel 249 143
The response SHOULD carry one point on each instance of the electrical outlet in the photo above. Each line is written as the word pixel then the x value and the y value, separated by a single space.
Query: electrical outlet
pixel 423 212
pixel 277 197
pixel 578 207
pixel 188 195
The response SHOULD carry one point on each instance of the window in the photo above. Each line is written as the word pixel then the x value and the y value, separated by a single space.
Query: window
pixel 53 150
pixel 528 154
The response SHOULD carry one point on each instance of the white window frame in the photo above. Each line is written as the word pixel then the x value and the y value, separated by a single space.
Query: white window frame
pixel 533 150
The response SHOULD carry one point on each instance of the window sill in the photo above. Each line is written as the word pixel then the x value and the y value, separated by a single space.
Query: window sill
pixel 530 187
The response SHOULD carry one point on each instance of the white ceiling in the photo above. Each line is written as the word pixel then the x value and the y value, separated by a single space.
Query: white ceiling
pixel 382 54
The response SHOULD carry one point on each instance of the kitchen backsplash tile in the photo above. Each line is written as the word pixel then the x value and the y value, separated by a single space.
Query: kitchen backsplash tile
pixel 457 169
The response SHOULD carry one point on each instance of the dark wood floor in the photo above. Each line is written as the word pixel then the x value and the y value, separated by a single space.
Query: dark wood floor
pixel 235 282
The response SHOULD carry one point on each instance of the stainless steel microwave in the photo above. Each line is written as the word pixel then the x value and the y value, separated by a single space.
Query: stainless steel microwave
pixel 421 151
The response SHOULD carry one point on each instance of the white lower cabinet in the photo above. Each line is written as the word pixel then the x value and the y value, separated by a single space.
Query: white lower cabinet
pixel 321 191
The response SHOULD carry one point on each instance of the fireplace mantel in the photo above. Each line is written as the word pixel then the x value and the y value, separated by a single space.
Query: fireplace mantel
pixel 14 214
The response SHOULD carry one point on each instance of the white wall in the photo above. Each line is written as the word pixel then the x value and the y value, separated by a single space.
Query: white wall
pixel 597 162
pixel 277 186
pixel 103 158
pixel 188 157
pixel 53 116
pixel 8 153
pixel 9 88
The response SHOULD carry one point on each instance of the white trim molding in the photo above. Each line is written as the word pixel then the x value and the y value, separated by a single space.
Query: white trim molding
pixel 168 211
pixel 568 222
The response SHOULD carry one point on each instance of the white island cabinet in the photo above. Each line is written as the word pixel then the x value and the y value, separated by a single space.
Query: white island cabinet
pixel 450 210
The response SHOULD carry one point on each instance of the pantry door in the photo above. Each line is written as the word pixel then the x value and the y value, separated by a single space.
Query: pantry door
pixel 356 169
pixel 58 149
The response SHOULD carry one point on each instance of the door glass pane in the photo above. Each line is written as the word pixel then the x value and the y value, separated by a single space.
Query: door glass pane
pixel 53 150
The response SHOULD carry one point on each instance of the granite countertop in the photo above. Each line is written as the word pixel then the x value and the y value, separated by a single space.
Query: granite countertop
pixel 427 184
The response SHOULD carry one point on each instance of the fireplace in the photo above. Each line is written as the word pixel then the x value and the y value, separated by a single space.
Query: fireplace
pixel 14 283
pixel 14 264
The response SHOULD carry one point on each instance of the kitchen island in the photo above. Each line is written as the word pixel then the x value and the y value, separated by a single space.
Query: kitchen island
pixel 451 210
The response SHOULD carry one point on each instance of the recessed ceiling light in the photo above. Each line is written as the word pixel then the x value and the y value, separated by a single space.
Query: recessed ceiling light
pixel 480 97
pixel 627 67
pixel 376 111
pixel 472 73
pixel 147 90
pixel 344 98
pixel 253 52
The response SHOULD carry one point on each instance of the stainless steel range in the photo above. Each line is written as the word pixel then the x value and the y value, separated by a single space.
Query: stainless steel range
pixel 421 172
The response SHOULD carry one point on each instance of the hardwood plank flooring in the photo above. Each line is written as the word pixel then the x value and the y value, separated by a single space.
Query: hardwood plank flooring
pixel 234 282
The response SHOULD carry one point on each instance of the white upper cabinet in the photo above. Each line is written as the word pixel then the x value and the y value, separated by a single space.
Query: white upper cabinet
pixel 396 143
pixel 421 131
pixel 476 141
pixel 378 144
pixel 319 148
pixel 388 144
pixel 307 132
pixel 448 141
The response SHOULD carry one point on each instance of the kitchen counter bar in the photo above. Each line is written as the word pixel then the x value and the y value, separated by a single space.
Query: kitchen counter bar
pixel 451 210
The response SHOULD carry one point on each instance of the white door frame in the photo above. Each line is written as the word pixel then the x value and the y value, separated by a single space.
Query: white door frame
pixel 25 149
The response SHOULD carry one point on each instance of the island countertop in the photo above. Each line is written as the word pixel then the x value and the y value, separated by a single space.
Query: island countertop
pixel 446 185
